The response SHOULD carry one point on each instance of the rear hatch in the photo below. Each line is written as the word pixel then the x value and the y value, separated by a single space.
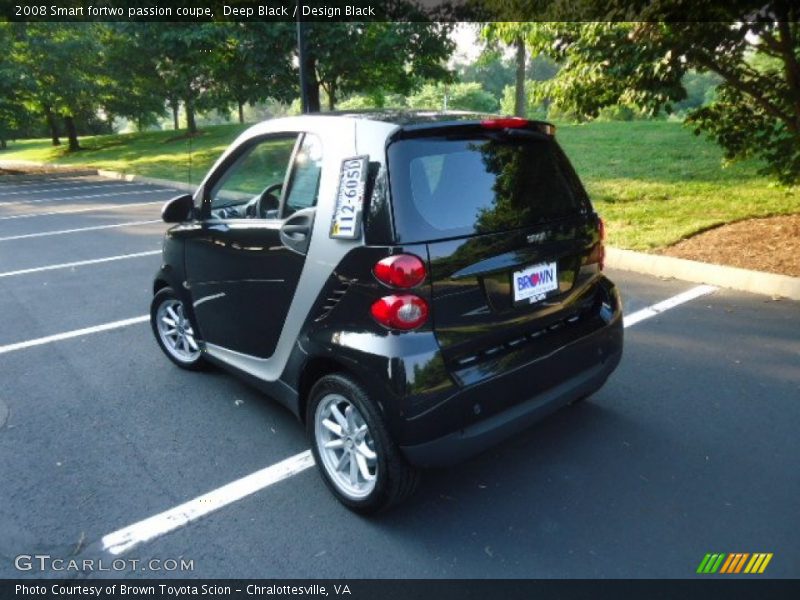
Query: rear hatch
pixel 508 227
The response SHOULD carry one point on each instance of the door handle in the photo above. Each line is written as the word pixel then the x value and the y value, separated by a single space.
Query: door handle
pixel 295 233
pixel 295 229
pixel 221 227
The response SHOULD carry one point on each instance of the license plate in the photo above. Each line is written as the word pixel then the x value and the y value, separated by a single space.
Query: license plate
pixel 533 283
pixel 346 222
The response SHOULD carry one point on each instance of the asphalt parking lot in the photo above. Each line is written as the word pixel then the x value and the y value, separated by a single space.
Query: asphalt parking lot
pixel 692 446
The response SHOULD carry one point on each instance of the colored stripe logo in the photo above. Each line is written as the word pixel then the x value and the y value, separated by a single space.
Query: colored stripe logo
pixel 741 562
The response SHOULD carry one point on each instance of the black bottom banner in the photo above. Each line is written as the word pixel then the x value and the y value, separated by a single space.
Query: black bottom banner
pixel 390 589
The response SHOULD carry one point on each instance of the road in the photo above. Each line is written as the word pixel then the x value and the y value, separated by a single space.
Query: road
pixel 691 447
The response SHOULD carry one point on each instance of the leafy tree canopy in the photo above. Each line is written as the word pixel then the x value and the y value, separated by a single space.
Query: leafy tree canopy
pixel 379 57
pixel 460 96
pixel 753 47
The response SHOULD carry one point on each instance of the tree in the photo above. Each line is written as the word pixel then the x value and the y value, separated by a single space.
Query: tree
pixel 535 108
pixel 753 47
pixel 497 74
pixel 460 96
pixel 129 85
pixel 182 57
pixel 375 58
pixel 512 34
pixel 254 62
pixel 510 30
pixel 490 70
pixel 701 90
pixel 13 115
pixel 59 64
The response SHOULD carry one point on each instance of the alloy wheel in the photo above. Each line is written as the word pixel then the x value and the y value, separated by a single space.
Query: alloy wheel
pixel 176 332
pixel 346 446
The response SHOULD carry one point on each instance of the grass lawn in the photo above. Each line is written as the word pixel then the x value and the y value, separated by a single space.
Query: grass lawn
pixel 162 154
pixel 654 182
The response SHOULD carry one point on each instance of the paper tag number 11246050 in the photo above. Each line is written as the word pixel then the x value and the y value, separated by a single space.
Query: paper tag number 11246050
pixel 346 222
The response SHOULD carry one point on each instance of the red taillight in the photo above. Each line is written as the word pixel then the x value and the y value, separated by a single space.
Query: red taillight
pixel 400 312
pixel 598 254
pixel 400 271
pixel 505 123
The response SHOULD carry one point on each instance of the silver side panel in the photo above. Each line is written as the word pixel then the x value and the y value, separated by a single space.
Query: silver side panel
pixel 338 136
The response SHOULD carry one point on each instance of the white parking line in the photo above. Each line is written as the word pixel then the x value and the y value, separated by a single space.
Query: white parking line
pixel 148 529
pixel 40 200
pixel 656 309
pixel 80 263
pixel 127 538
pixel 73 334
pixel 77 230
pixel 76 186
pixel 83 209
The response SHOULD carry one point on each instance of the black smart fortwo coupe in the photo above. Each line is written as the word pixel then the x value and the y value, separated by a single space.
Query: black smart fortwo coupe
pixel 413 286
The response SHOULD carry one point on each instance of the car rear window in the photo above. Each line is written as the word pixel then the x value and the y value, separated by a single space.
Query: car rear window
pixel 443 187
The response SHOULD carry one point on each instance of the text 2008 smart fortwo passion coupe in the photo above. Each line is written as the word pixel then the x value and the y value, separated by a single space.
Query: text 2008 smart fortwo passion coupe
pixel 413 286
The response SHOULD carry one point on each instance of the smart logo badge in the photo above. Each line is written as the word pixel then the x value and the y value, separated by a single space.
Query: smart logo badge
pixel 734 563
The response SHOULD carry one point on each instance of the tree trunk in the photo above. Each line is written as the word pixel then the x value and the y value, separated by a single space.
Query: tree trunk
pixel 191 125
pixel 309 82
pixel 72 133
pixel 312 84
pixel 520 108
pixel 51 124
pixel 332 96
pixel 175 105
pixel 2 144
pixel 241 112
pixel 313 98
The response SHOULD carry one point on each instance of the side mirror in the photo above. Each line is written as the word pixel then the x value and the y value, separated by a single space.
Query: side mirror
pixel 178 210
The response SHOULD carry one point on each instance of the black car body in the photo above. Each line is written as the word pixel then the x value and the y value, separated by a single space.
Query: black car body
pixel 468 302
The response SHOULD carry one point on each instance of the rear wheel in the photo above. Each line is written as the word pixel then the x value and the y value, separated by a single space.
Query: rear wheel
pixel 173 331
pixel 356 456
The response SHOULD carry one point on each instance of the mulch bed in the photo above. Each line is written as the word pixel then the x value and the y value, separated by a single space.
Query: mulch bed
pixel 771 244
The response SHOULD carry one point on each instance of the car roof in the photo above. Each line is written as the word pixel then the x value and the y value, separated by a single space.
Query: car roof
pixel 409 120
pixel 404 117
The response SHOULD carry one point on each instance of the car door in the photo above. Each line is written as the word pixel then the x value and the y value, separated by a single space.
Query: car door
pixel 244 260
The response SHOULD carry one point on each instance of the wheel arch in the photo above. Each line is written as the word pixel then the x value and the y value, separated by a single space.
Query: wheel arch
pixel 159 284
pixel 315 369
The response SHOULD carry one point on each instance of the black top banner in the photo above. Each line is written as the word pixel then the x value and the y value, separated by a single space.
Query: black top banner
pixel 389 10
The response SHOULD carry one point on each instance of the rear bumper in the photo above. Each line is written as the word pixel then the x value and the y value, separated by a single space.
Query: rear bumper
pixel 571 372
pixel 460 445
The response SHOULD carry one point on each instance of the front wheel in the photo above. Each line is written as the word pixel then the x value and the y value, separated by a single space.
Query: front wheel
pixel 358 460
pixel 173 331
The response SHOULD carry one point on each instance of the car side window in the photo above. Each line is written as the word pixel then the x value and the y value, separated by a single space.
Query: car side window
pixel 251 187
pixel 305 175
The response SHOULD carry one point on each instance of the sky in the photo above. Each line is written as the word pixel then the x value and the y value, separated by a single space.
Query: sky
pixel 467 46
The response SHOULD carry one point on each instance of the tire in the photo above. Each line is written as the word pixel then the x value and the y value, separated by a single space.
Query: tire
pixel 366 446
pixel 181 347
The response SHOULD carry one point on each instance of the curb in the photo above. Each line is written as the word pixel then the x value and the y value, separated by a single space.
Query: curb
pixel 184 187
pixel 28 164
pixel 756 282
